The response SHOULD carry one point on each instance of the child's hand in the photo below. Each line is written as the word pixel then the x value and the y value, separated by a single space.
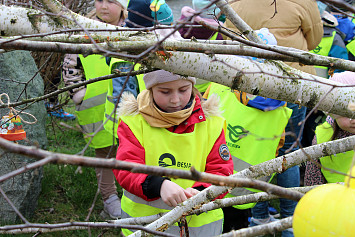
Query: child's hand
pixel 172 194
pixel 192 191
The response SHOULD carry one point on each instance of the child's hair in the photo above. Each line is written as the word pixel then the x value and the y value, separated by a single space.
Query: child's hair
pixel 336 130
pixel 195 92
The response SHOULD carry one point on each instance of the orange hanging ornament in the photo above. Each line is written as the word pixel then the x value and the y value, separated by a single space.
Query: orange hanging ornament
pixel 11 125
pixel 11 128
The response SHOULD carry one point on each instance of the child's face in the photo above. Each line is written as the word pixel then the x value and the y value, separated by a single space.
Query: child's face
pixel 109 11
pixel 346 124
pixel 172 96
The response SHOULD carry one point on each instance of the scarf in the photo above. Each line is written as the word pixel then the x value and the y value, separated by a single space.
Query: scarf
pixel 156 117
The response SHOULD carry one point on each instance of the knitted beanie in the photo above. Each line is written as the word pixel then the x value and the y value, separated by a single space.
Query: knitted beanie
pixel 148 11
pixel 161 76
pixel 123 3
pixel 346 77
pixel 199 5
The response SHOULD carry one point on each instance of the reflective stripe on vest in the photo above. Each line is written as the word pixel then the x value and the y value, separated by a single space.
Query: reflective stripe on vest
pixel 252 135
pixel 166 153
pixel 198 225
pixel 339 162
pixel 110 119
pixel 324 48
pixel 91 110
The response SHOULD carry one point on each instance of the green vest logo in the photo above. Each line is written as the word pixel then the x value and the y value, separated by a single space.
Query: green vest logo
pixel 317 50
pixel 167 160
pixel 236 132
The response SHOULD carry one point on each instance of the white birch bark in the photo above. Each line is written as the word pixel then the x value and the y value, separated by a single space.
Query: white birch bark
pixel 255 197
pixel 15 21
pixel 238 22
pixel 264 79
pixel 269 228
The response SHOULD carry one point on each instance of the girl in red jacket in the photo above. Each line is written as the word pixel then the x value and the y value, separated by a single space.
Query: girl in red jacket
pixel 169 126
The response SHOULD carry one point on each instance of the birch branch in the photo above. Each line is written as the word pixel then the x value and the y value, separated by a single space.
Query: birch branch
pixel 135 46
pixel 280 164
pixel 238 22
pixel 243 199
pixel 16 21
pixel 46 228
pixel 269 228
pixel 138 44
pixel 263 79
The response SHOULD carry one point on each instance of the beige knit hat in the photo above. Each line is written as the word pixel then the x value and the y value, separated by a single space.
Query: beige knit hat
pixel 162 76
pixel 124 3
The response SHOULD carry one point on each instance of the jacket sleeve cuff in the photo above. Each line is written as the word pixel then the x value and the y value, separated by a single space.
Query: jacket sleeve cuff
pixel 200 188
pixel 152 185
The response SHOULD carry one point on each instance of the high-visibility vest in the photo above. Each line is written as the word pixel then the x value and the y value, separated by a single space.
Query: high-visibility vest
pixel 339 162
pixel 351 45
pixel 91 110
pixel 214 36
pixel 323 49
pixel 252 135
pixel 161 149
pixel 202 87
pixel 110 118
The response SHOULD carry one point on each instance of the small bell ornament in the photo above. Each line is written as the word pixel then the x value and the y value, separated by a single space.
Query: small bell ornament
pixel 11 125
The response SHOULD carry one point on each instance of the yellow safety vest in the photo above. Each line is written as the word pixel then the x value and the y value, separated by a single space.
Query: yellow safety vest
pixel 351 45
pixel 91 110
pixel 110 118
pixel 161 149
pixel 202 87
pixel 339 162
pixel 252 135
pixel 214 36
pixel 324 48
